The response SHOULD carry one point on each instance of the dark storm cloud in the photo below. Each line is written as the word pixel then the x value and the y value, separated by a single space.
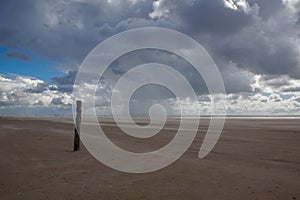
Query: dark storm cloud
pixel 267 8
pixel 64 30
pixel 139 57
pixel 252 37
pixel 254 52
pixel 67 79
pixel 206 17
pixel 18 55
pixel 261 36
pixel 64 83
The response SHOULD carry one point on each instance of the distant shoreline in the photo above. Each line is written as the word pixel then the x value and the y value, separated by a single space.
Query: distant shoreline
pixel 170 117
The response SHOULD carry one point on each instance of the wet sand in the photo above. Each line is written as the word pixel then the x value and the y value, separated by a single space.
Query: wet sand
pixel 254 159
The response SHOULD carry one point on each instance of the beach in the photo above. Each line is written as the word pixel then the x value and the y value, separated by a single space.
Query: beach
pixel 253 159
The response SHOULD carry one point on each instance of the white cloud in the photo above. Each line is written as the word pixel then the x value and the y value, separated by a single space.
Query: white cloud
pixel 16 93
pixel 237 5
pixel 275 83
pixel 159 10
pixel 293 5
pixel 21 91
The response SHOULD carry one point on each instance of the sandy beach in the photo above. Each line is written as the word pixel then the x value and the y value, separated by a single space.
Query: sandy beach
pixel 254 159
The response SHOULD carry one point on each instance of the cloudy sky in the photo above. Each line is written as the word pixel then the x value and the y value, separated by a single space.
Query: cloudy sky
pixel 255 44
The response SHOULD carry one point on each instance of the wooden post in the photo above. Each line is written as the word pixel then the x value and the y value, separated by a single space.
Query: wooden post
pixel 77 127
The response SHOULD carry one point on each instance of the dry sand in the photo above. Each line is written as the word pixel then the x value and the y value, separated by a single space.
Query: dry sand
pixel 254 159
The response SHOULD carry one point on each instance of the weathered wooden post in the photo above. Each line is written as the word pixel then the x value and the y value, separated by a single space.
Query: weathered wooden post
pixel 77 126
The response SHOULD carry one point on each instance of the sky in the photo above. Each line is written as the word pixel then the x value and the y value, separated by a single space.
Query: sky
pixel 254 43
